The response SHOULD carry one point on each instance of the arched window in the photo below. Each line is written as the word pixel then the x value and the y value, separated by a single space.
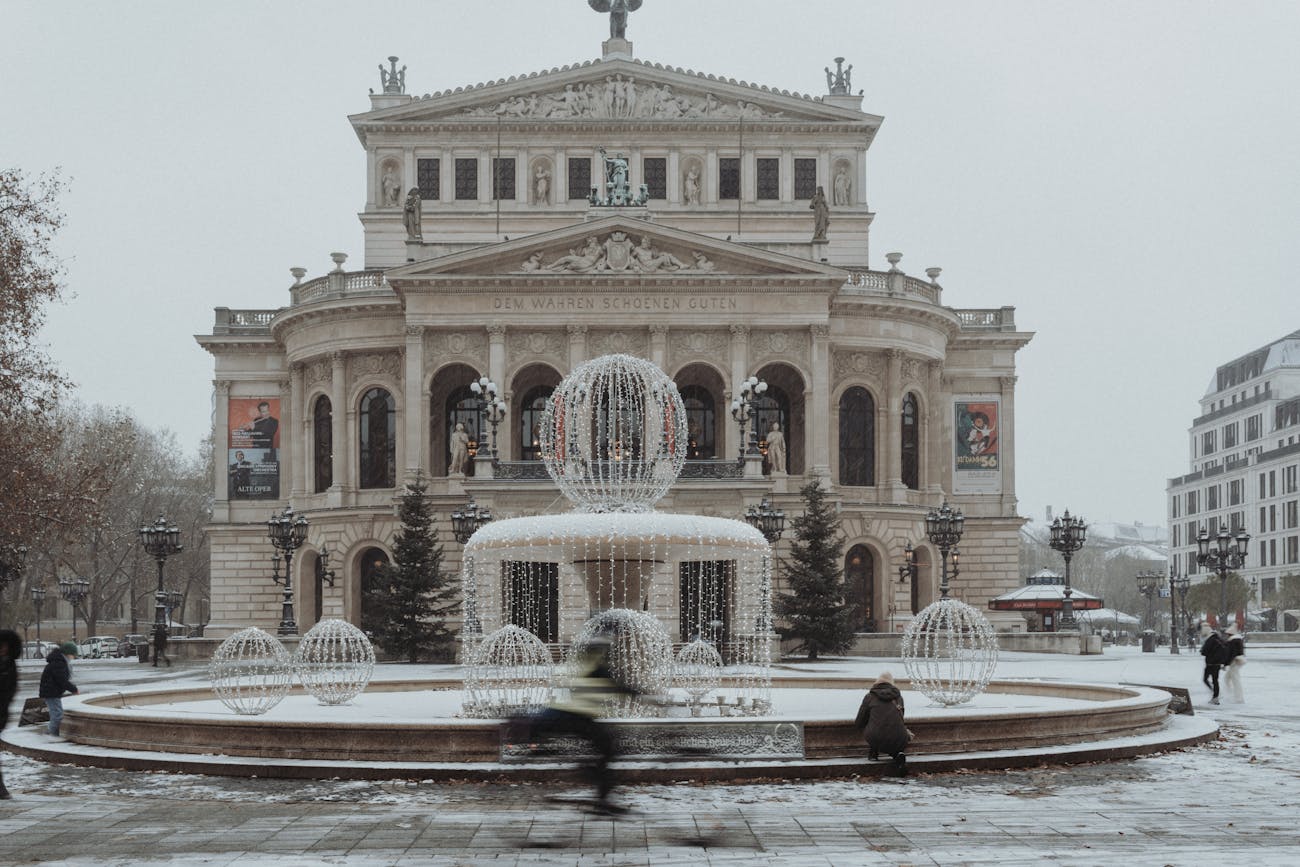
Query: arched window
pixel 322 425
pixel 372 560
pixel 857 438
pixel 860 584
pixel 530 422
pixel 461 408
pixel 772 407
pixel 378 438
pixel 701 422
pixel 910 443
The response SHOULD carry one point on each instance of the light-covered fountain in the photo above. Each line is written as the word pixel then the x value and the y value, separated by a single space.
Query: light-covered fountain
pixel 613 439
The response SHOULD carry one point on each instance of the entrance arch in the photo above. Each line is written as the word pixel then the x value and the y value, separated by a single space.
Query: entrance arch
pixel 529 389
pixel 860 587
pixel 451 402
pixel 783 402
pixel 702 391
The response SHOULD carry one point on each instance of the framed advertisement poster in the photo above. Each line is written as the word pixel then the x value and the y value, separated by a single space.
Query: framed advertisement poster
pixel 977 447
pixel 253 448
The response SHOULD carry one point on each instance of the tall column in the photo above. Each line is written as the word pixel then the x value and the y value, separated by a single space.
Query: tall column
pixel 1007 447
pixel 893 427
pixel 577 345
pixel 937 445
pixel 739 373
pixel 373 196
pixel 818 435
pixel 339 429
pixel 497 355
pixel 659 346
pixel 295 418
pixel 416 450
pixel 288 453
pixel 221 444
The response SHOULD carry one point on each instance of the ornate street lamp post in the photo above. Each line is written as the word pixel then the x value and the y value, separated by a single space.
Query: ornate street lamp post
pixel 287 532
pixel 491 407
pixel 1149 584
pixel 943 527
pixel 1068 536
pixel 743 409
pixel 1178 585
pixel 1222 557
pixel 766 520
pixel 74 592
pixel 38 600
pixel 160 541
pixel 467 520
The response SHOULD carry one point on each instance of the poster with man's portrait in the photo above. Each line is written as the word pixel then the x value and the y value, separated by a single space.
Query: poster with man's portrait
pixel 253 448
pixel 977 452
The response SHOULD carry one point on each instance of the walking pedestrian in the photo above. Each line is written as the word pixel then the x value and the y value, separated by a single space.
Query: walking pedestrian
pixel 1236 655
pixel 880 718
pixel 56 681
pixel 11 648
pixel 1215 652
pixel 160 647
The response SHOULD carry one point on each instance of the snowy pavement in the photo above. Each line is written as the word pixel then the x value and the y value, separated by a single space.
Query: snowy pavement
pixel 1234 798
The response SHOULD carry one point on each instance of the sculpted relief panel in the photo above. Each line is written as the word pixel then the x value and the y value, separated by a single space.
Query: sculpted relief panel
pixel 621 97
pixel 372 364
pixel 696 344
pixel 318 372
pixel 618 252
pixel 471 346
pixel 527 346
pixel 778 345
pixel 630 342
pixel 858 365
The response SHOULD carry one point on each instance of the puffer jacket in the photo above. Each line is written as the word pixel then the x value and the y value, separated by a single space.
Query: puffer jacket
pixel 8 672
pixel 56 679
pixel 881 719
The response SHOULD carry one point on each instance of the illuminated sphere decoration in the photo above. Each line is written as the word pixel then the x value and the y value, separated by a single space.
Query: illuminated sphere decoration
pixel 334 661
pixel 640 656
pixel 508 675
pixel 251 672
pixel 698 670
pixel 950 651
pixel 613 435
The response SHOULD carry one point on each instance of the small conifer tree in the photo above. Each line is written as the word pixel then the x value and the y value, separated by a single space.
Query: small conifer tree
pixel 408 601
pixel 815 612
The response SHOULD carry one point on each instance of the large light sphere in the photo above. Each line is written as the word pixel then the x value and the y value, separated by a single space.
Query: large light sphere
pixel 251 672
pixel 950 651
pixel 697 670
pixel 334 661
pixel 508 675
pixel 613 436
pixel 640 656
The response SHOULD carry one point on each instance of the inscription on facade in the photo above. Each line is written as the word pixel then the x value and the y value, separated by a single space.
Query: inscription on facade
pixel 613 302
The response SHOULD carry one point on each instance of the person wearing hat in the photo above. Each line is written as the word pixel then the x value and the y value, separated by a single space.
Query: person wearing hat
pixel 56 680
pixel 1232 668
pixel 880 718
pixel 11 648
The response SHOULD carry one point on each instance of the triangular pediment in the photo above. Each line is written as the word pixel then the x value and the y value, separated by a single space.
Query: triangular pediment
pixel 614 89
pixel 619 245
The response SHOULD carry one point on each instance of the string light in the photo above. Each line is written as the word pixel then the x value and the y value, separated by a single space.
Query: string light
pixel 334 661
pixel 250 672
pixel 509 675
pixel 950 651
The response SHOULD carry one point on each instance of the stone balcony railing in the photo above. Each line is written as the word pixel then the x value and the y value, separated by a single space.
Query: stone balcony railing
pixel 866 282
pixel 340 284
pixel 988 319
pixel 243 322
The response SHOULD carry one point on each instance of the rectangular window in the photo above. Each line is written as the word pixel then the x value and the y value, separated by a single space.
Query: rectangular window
pixel 428 178
pixel 1272 552
pixel 1263 553
pixel 1261 486
pixel 1229 435
pixel 1272 519
pixel 466 179
pixel 655 172
pixel 729 178
pixel 1177 530
pixel 1212 497
pixel 1267 588
pixel 1263 513
pixel 503 177
pixel 1288 480
pixel 1292 549
pixel 769 178
pixel 1291 515
pixel 1191 502
pixel 1272 483
pixel 579 177
pixel 1253 425
pixel 1213 527
pixel 805 178
pixel 1173 505
pixel 1207 443
pixel 1234 492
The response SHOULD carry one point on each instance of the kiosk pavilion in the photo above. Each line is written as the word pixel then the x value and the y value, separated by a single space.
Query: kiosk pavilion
pixel 516 228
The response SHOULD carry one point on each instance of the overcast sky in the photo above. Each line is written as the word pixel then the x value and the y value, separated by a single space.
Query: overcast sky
pixel 1122 173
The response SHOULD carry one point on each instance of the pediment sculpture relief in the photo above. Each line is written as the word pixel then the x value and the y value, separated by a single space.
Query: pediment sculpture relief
pixel 619 253
pixel 620 97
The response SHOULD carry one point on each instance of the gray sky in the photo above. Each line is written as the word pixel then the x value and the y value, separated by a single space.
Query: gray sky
pixel 1122 173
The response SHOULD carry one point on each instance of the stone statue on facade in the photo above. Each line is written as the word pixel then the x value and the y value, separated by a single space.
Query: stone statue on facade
pixel 651 259
pixel 617 10
pixel 821 214
pixel 837 82
pixel 392 187
pixel 691 186
pixel 586 259
pixel 617 191
pixel 459 450
pixel 776 449
pixel 394 81
pixel 411 215
pixel 619 97
pixel 842 190
pixel 542 185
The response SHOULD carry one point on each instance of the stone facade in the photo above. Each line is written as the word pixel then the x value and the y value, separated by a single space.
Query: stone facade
pixel 520 281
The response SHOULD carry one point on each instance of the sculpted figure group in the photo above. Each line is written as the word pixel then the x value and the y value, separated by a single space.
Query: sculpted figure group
pixel 617 252
pixel 620 97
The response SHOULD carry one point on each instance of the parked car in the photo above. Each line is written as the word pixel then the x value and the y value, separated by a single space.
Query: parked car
pixel 127 643
pixel 37 649
pixel 99 647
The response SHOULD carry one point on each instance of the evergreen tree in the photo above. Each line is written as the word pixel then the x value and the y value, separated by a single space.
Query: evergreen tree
pixel 409 600
pixel 815 612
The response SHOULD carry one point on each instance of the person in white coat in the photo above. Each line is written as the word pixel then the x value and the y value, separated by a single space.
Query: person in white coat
pixel 1236 659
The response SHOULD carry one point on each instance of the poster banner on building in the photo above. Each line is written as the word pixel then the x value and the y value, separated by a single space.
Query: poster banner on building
pixel 977 449
pixel 254 448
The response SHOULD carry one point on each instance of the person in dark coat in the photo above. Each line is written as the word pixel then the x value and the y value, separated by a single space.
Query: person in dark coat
pixel 880 717
pixel 160 647
pixel 56 681
pixel 1215 651
pixel 11 648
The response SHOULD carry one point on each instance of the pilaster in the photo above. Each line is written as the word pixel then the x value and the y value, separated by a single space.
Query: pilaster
pixel 416 431
pixel 936 444
pixel 659 345
pixel 339 427
pixel 295 416
pixel 577 345
pixel 893 427
pixel 497 353
pixel 817 438
pixel 1008 446
pixel 220 444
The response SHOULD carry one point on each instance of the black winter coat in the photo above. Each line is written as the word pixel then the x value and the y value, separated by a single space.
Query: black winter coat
pixel 881 719
pixel 9 672
pixel 1215 650
pixel 56 679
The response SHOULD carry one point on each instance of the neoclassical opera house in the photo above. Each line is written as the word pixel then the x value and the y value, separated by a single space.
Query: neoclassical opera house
pixel 517 228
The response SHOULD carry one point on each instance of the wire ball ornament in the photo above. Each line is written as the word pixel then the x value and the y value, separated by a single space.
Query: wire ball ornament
pixel 508 675
pixel 334 661
pixel 613 435
pixel 640 656
pixel 950 651
pixel 251 672
pixel 697 671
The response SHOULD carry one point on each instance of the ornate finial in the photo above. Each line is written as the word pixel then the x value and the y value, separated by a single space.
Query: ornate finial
pixel 837 82
pixel 393 81
pixel 893 259
pixel 617 10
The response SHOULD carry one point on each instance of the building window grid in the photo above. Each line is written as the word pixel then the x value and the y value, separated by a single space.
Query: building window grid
pixel 769 178
pixel 655 172
pixel 729 178
pixel 1234 492
pixel 579 177
pixel 805 178
pixel 503 177
pixel 1229 435
pixel 428 178
pixel 466 178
